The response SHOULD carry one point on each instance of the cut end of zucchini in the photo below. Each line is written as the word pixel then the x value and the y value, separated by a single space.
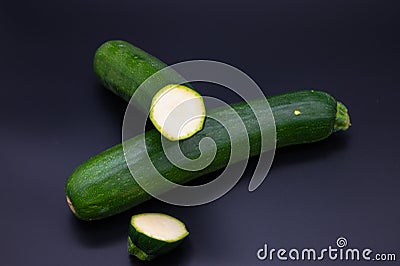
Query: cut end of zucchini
pixel 342 121
pixel 70 205
pixel 153 234
pixel 159 226
pixel 177 112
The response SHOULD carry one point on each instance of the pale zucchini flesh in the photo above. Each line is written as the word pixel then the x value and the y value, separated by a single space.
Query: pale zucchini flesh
pixel 177 111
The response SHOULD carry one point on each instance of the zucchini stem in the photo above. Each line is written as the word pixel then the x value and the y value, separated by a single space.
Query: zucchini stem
pixel 342 121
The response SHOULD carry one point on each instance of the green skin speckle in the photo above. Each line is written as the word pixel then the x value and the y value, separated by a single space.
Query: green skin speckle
pixel 103 185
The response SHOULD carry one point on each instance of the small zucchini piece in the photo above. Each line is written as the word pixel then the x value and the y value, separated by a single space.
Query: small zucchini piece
pixel 154 234
pixel 178 112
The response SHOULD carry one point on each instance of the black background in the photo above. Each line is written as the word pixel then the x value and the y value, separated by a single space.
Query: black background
pixel 55 115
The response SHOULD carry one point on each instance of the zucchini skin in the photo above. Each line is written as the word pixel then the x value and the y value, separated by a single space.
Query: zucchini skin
pixel 122 67
pixel 103 186
pixel 146 248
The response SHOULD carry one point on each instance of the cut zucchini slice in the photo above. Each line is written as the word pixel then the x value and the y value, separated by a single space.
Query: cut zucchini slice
pixel 153 234
pixel 177 111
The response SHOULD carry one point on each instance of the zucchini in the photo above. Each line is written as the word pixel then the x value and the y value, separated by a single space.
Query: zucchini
pixel 177 112
pixel 103 186
pixel 122 68
pixel 154 234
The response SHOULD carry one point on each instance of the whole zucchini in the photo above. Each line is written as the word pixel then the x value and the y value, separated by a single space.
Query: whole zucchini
pixel 103 185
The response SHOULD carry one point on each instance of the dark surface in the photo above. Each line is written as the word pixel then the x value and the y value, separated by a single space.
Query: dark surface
pixel 54 115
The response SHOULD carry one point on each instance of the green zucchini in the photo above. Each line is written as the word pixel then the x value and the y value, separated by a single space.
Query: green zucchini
pixel 122 68
pixel 103 185
pixel 154 234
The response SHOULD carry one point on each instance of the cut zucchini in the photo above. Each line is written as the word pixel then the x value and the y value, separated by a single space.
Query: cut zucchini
pixel 122 68
pixel 153 234
pixel 177 112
